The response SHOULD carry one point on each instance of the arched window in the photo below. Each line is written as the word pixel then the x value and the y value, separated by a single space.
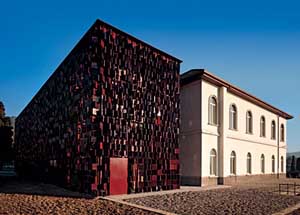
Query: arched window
pixel 213 162
pixel 273 130
pixel 262 126
pixel 262 163
pixel 212 111
pixel 233 117
pixel 282 133
pixel 273 164
pixel 249 123
pixel 233 163
pixel 282 164
pixel 249 168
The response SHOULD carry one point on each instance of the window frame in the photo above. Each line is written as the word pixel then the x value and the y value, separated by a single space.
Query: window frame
pixel 282 132
pixel 262 123
pixel 249 122
pixel 213 165
pixel 273 130
pixel 213 111
pixel 273 164
pixel 249 164
pixel 233 117
pixel 282 164
pixel 233 163
pixel 262 164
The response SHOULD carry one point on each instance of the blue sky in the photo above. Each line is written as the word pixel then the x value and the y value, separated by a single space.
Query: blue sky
pixel 253 44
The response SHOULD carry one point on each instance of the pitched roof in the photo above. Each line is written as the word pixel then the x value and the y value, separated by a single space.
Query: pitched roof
pixel 201 74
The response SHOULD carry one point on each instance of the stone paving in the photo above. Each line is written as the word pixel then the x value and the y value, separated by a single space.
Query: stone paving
pixel 221 201
pixel 19 198
pixel 253 198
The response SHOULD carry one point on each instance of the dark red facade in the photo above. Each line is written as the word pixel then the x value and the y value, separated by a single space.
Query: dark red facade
pixel 113 96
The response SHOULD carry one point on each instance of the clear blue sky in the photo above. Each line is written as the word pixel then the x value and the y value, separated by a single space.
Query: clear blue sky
pixel 253 44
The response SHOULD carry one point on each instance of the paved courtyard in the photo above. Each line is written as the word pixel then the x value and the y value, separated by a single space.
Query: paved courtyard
pixel 253 198
pixel 19 198
pixel 220 201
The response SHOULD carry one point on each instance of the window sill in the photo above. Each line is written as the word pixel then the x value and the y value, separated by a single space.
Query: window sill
pixel 211 124
pixel 212 176
pixel 233 129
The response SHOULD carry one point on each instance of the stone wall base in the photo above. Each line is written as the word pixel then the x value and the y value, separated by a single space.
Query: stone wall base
pixel 209 181
pixel 190 180
pixel 230 180
pixel 248 179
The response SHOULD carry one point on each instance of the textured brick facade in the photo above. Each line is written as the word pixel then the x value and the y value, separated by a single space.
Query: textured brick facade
pixel 113 96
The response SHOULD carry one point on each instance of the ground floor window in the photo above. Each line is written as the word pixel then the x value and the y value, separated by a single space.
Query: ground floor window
pixel 233 163
pixel 262 163
pixel 213 162
pixel 273 164
pixel 282 164
pixel 249 168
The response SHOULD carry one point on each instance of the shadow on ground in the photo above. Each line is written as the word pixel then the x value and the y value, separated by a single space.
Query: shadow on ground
pixel 14 185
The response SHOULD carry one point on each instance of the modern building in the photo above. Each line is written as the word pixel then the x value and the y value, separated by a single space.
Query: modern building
pixel 228 135
pixel 107 120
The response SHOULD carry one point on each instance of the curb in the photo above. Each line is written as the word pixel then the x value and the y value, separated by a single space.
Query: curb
pixel 288 210
pixel 182 189
pixel 138 206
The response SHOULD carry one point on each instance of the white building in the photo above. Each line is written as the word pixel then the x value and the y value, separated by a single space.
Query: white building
pixel 228 135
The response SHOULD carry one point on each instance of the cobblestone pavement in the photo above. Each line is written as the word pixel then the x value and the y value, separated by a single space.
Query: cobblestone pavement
pixel 296 212
pixel 27 198
pixel 252 198
pixel 222 201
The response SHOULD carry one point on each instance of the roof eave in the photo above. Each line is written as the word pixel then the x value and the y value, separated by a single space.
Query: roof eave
pixel 197 74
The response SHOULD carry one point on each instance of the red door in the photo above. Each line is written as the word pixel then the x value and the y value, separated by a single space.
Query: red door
pixel 118 176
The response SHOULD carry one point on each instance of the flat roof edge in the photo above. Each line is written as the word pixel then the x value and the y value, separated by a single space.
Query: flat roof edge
pixel 79 44
pixel 98 21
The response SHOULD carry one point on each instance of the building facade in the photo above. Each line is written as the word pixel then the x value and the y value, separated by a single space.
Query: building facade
pixel 293 165
pixel 228 135
pixel 107 120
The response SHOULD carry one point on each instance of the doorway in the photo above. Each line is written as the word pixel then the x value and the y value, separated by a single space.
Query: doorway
pixel 118 176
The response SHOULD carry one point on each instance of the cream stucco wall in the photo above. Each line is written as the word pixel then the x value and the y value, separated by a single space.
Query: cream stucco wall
pixel 210 133
pixel 238 140
pixel 190 134
pixel 198 137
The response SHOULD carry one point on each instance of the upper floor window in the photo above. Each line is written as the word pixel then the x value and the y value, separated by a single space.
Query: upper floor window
pixel 212 111
pixel 249 123
pixel 262 126
pixel 273 130
pixel 233 117
pixel 282 133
